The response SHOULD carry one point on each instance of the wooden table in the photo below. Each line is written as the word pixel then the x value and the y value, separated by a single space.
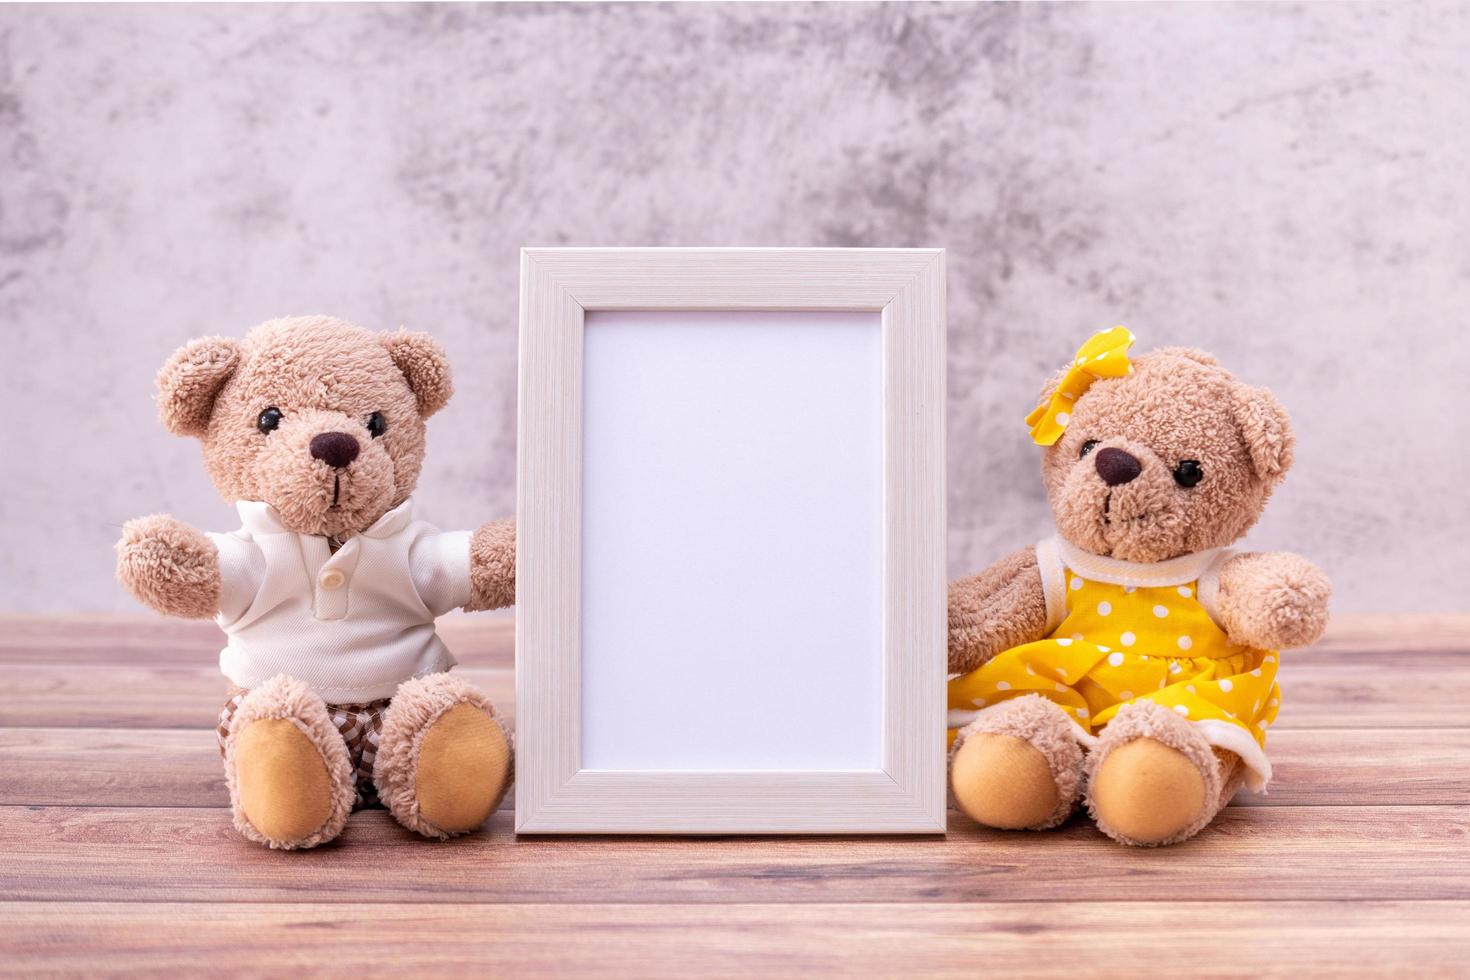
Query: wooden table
pixel 117 854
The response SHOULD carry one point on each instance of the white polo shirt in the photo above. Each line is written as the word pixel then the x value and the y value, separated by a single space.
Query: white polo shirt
pixel 352 625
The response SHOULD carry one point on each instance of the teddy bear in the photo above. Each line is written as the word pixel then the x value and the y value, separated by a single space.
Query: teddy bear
pixel 341 694
pixel 1129 661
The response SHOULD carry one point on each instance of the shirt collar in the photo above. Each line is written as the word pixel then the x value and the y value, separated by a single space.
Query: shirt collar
pixel 1115 571
pixel 261 518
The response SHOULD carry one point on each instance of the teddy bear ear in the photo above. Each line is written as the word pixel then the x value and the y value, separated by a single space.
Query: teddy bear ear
pixel 425 365
pixel 1266 429
pixel 190 381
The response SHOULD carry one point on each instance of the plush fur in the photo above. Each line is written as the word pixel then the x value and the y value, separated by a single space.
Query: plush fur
pixel 1273 600
pixel 416 706
pixel 1176 404
pixel 189 382
pixel 170 566
pixel 290 700
pixel 1002 607
pixel 492 566
pixel 323 376
pixel 1139 799
pixel 1046 728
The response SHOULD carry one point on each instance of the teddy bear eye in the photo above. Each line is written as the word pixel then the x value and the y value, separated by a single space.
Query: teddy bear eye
pixel 1188 473
pixel 269 420
pixel 376 424
pixel 1087 447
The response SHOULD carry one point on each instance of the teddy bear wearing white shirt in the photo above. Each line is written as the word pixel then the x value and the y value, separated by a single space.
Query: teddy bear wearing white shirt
pixel 329 590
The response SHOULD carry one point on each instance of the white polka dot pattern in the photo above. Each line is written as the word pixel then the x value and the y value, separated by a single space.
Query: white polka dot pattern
pixel 1170 652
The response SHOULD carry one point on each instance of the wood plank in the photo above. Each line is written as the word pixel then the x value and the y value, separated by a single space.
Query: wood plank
pixel 488 639
pixel 1319 693
pixel 1353 862
pixel 1366 767
pixel 1385 633
pixel 1096 939
pixel 111 767
pixel 481 640
pixel 181 768
pixel 73 696
pixel 1331 693
pixel 1277 853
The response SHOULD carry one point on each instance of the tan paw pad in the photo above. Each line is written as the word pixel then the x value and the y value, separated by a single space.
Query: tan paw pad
pixel 1147 792
pixel 283 785
pixel 1003 781
pixel 463 765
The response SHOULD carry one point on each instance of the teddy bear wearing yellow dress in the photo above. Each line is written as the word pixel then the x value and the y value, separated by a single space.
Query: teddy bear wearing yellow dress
pixel 1129 662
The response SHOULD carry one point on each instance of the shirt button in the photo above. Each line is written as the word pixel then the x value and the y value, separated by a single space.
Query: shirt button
pixel 332 580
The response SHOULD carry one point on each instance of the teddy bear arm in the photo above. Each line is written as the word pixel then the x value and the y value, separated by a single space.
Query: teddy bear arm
pixel 492 566
pixel 170 566
pixel 1001 607
pixel 1272 600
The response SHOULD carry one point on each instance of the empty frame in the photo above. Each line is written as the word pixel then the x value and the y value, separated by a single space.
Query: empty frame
pixel 730 569
pixel 732 547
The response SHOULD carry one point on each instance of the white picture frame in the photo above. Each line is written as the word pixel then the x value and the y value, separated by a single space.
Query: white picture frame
pixel 890 778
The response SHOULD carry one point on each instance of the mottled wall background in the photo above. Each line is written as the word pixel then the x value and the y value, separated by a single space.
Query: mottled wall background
pixel 1288 186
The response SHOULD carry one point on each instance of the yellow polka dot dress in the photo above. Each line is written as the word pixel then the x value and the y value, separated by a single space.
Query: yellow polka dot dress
pixel 1120 632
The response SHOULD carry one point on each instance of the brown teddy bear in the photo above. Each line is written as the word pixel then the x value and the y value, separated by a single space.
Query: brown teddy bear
pixel 329 591
pixel 1131 660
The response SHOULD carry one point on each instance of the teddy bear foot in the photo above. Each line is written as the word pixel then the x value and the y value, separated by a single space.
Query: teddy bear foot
pixel 1018 766
pixel 289 775
pixel 1153 779
pixel 444 759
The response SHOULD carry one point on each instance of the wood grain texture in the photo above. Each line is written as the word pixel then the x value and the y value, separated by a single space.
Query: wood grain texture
pixel 477 640
pixel 117 854
pixel 1091 938
pixel 548 487
pixel 1348 689
pixel 728 278
pixel 1268 853
pixel 558 285
pixel 915 624
pixel 181 768
pixel 142 696
pixel 488 640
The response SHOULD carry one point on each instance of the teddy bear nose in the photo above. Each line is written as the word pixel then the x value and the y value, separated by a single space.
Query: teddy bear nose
pixel 336 449
pixel 1114 466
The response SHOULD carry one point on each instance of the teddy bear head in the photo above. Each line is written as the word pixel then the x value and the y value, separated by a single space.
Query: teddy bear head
pixel 1176 457
pixel 318 418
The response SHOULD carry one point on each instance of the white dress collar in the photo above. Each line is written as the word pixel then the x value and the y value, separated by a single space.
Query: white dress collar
pixel 1114 571
pixel 261 518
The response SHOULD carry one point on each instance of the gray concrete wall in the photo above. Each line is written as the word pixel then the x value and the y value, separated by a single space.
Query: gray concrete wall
pixel 1284 185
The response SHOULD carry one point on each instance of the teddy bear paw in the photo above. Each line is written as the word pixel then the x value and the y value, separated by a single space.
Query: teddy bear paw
pixel 169 566
pixel 1274 600
pixel 1018 766
pixel 1153 779
pixel 445 759
pixel 288 771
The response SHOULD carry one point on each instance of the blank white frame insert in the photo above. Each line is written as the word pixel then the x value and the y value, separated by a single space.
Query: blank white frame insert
pixel 732 546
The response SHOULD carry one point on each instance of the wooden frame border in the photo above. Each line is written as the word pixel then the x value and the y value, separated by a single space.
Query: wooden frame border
pixel 553 793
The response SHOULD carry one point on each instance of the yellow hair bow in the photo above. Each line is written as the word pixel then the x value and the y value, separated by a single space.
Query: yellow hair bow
pixel 1105 355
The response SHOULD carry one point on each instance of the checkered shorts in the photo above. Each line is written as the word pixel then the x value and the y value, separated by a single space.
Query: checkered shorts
pixel 361 727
